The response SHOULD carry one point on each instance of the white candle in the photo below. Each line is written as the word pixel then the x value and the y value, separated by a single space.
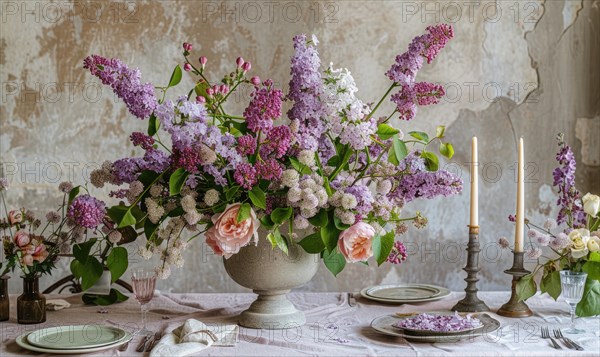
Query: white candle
pixel 520 224
pixel 474 185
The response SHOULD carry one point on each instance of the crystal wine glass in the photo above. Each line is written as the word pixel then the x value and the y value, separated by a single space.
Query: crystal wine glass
pixel 143 282
pixel 572 290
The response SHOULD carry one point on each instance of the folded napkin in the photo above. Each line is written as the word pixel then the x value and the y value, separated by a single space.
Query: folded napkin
pixel 57 304
pixel 194 336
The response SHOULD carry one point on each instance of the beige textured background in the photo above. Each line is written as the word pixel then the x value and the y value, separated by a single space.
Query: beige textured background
pixel 515 68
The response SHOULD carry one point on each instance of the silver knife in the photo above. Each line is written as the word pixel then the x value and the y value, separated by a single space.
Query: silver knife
pixel 154 341
pixel 575 344
pixel 140 347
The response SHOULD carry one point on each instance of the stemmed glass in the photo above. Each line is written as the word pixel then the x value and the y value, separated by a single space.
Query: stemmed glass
pixel 143 282
pixel 572 290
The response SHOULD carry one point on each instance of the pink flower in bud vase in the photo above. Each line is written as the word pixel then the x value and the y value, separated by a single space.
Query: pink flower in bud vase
pixel 203 60
pixel 240 62
pixel 246 66
pixel 210 91
pixel 255 80
pixel 216 89
pixel 187 46
pixel 21 239
pixel 355 242
pixel 224 89
pixel 228 235
pixel 200 99
pixel 15 216
pixel 40 253
pixel 187 67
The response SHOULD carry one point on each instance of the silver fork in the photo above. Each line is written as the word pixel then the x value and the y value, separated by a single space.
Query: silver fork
pixel 153 342
pixel 546 335
pixel 570 343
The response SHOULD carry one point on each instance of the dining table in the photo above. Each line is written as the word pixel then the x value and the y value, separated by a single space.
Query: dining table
pixel 333 327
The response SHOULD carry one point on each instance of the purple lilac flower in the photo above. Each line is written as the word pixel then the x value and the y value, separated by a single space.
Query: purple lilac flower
pixel 363 197
pixel 141 139
pixel 277 142
pixel 398 253
pixel 269 170
pixel 246 176
pixel 533 253
pixel 504 243
pixel 427 185
pixel 188 159
pixel 126 170
pixel 156 160
pixel 569 201
pixel 264 107
pixel 246 145
pixel 125 82
pixel 86 211
pixel 561 241
pixel 305 88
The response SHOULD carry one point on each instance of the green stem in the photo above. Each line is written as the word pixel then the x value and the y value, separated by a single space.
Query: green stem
pixel 394 85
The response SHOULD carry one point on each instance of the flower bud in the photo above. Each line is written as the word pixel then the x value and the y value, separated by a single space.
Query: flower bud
pixel 187 46
pixel 224 89
pixel 255 80
pixel 200 99
pixel 210 91
pixel 187 67
pixel 240 62
pixel 203 60
pixel 246 66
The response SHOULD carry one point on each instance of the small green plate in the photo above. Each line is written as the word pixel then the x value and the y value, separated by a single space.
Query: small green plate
pixel 76 337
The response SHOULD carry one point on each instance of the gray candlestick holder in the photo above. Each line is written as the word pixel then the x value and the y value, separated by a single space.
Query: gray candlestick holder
pixel 471 302
pixel 514 307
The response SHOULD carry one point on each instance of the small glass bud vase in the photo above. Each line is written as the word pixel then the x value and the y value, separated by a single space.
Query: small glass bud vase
pixel 31 305
pixel 4 301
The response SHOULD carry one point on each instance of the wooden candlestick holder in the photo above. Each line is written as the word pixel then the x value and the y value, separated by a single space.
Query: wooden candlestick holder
pixel 514 307
pixel 472 303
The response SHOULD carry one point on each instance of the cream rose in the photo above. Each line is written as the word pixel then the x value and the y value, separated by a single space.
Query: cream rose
pixel 15 217
pixel 355 242
pixel 579 239
pixel 591 204
pixel 593 244
pixel 228 235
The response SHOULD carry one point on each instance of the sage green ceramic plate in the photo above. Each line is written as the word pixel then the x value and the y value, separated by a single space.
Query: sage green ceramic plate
pixel 76 337
pixel 404 293
pixel 22 341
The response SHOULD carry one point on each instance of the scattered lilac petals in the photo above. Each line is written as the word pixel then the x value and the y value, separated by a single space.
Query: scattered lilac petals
pixel 439 323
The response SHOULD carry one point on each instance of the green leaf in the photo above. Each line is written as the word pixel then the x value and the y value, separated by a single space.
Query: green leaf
pixel 447 150
pixel 81 251
pixel 590 302
pixel 339 225
pixel 594 257
pixel 122 216
pixel 153 125
pixel 175 76
pixel 312 244
pixel 117 263
pixel 327 186
pixel 90 273
pixel 330 234
pixel 149 229
pixel 385 131
pixel 257 196
pixel 333 161
pixel 177 180
pixel 440 130
pixel 280 215
pixel 592 268
pixel 267 222
pixel 244 212
pixel 392 159
pixel 104 300
pixel 399 148
pixel 73 193
pixel 334 261
pixel 419 135
pixel 551 284
pixel 526 287
pixel 76 268
pixel 300 167
pixel 382 246
pixel 277 240
pixel 231 192
pixel 431 160
pixel 320 219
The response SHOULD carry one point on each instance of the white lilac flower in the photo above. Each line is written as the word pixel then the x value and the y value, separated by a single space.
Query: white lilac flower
pixel 211 197
pixel 65 187
pixel 188 203
pixel 504 243
pixel 53 217
pixel 192 217
pixel 114 237
pixel 349 201
pixel 532 233
pixel 308 212
pixel 307 158
pixel 300 222
pixel 4 184
pixel 156 190
pixel 533 253
pixel 290 178
pixel 155 212
pixel 163 272
pixel 384 187
pixel 135 189
pixel 146 253
pixel 294 194
pixel 550 224
pixel 543 240
pixel 347 217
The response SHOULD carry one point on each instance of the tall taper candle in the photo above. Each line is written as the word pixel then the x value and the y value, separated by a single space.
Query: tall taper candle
pixel 520 224
pixel 474 184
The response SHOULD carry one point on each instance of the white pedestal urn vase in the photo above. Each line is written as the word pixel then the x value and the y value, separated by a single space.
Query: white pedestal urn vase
pixel 271 274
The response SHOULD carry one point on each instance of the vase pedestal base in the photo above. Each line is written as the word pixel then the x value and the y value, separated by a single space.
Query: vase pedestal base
pixel 272 311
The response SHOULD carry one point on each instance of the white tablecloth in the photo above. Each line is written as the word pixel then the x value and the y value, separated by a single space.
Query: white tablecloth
pixel 333 328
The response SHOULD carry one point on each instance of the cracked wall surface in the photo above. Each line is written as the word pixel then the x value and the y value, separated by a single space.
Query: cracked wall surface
pixel 515 68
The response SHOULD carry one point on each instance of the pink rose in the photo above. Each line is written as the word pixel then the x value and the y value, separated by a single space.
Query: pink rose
pixel 27 259
pixel 21 239
pixel 228 235
pixel 355 242
pixel 15 216
pixel 40 253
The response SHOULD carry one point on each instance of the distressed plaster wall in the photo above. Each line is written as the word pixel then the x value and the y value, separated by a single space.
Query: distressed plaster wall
pixel 515 68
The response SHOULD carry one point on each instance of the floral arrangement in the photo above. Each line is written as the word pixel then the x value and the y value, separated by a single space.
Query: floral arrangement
pixel 34 254
pixel 572 240
pixel 332 167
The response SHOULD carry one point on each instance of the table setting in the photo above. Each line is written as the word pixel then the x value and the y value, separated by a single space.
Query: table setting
pixel 327 187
